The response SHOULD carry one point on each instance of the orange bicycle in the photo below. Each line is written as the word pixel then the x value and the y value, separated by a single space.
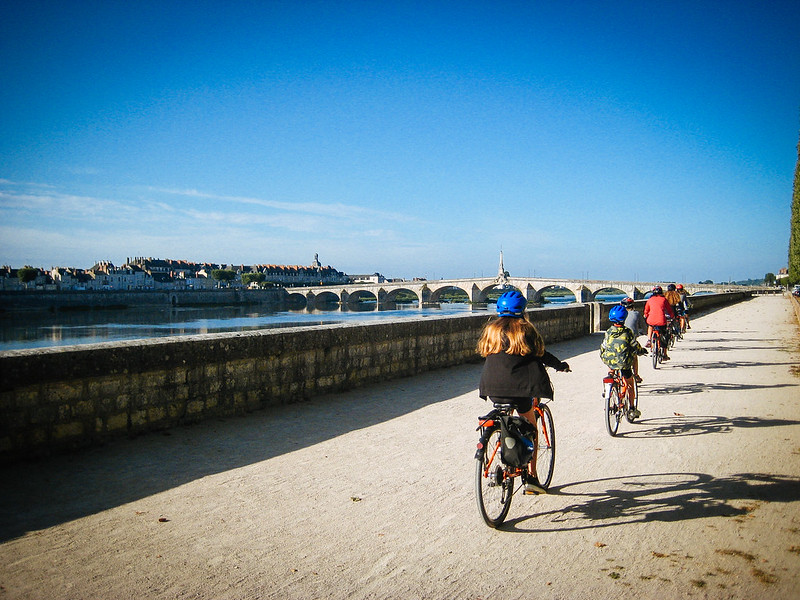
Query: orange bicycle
pixel 615 392
pixel 495 481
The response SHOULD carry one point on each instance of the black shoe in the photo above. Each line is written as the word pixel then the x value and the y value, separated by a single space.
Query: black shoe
pixel 532 486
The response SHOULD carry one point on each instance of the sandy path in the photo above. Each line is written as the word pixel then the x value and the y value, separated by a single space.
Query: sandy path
pixel 369 494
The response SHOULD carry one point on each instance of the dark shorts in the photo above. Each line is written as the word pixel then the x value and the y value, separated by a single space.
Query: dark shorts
pixel 626 373
pixel 521 405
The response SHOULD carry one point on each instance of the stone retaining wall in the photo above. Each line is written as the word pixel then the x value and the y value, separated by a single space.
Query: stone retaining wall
pixel 55 399
pixel 699 304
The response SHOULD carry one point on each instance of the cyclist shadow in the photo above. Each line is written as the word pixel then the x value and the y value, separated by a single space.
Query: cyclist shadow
pixel 665 497
pixel 698 388
pixel 681 425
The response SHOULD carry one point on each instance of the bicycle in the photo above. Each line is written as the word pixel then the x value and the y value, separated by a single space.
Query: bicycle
pixel 658 344
pixel 615 392
pixel 496 482
pixel 674 328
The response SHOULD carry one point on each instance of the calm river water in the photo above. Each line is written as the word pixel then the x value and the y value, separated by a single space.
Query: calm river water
pixel 41 330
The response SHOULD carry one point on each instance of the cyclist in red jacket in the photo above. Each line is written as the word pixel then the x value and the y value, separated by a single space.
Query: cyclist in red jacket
pixel 656 311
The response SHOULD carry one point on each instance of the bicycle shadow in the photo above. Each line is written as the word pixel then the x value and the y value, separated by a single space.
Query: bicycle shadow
pixel 681 425
pixel 728 365
pixel 665 497
pixel 699 388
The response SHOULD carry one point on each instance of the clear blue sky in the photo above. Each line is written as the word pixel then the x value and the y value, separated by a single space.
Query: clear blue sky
pixel 624 140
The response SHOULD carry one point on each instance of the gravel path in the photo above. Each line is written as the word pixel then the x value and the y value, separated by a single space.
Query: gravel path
pixel 369 494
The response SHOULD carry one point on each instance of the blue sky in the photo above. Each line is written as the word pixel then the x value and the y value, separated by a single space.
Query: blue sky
pixel 608 140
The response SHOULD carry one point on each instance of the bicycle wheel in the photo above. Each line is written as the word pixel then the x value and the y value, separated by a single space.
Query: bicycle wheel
pixel 612 411
pixel 546 447
pixel 654 350
pixel 635 403
pixel 493 490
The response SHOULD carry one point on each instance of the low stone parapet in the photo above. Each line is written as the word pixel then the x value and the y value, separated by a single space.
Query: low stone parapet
pixel 55 399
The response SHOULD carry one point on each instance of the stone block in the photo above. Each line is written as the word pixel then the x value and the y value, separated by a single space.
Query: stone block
pixel 68 431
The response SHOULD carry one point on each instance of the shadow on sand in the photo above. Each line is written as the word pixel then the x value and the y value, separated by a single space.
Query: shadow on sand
pixel 663 497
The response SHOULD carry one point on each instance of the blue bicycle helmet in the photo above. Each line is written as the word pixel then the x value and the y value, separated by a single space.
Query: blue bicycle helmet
pixel 511 304
pixel 618 314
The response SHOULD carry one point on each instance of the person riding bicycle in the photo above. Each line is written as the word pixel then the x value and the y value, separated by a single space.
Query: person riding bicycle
pixel 656 311
pixel 636 323
pixel 514 372
pixel 618 351
pixel 684 306
pixel 673 296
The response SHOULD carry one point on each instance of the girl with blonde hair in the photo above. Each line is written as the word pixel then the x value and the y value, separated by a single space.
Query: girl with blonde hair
pixel 514 372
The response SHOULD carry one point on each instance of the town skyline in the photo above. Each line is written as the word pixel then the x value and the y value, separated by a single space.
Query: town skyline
pixel 183 269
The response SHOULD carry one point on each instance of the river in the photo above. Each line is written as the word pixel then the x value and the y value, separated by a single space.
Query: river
pixel 66 328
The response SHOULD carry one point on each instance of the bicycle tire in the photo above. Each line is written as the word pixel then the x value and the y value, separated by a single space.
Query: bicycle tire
pixel 655 351
pixel 635 403
pixel 546 447
pixel 493 491
pixel 673 337
pixel 612 411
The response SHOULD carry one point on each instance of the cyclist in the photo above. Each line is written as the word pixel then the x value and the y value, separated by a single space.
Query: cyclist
pixel 514 372
pixel 656 311
pixel 672 295
pixel 636 323
pixel 683 310
pixel 618 351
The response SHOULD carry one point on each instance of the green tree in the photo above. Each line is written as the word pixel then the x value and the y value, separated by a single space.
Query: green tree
pixel 794 231
pixel 27 274
pixel 225 275
pixel 248 278
pixel 769 279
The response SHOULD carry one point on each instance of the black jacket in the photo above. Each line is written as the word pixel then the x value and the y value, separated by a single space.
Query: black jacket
pixel 515 376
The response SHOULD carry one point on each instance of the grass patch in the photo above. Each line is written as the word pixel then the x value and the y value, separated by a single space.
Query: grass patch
pixel 699 583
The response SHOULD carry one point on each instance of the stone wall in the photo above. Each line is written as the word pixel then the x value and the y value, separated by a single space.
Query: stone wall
pixel 55 399
pixel 700 303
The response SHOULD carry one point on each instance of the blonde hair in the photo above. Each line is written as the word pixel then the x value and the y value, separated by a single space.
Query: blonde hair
pixel 512 335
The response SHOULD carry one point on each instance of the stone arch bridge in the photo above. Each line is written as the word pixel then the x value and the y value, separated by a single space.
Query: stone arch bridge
pixel 429 292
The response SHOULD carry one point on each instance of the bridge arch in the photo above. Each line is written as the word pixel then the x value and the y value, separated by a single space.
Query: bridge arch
pixel 608 291
pixel 322 299
pixel 489 294
pixel 391 295
pixel 540 295
pixel 437 293
pixel 357 297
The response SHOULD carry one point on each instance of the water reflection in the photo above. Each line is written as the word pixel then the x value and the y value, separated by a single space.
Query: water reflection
pixel 43 329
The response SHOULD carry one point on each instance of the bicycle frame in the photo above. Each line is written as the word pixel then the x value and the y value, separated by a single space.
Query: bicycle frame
pixel 616 401
pixel 494 482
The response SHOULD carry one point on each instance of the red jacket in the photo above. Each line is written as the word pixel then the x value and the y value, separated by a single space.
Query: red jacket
pixel 655 309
